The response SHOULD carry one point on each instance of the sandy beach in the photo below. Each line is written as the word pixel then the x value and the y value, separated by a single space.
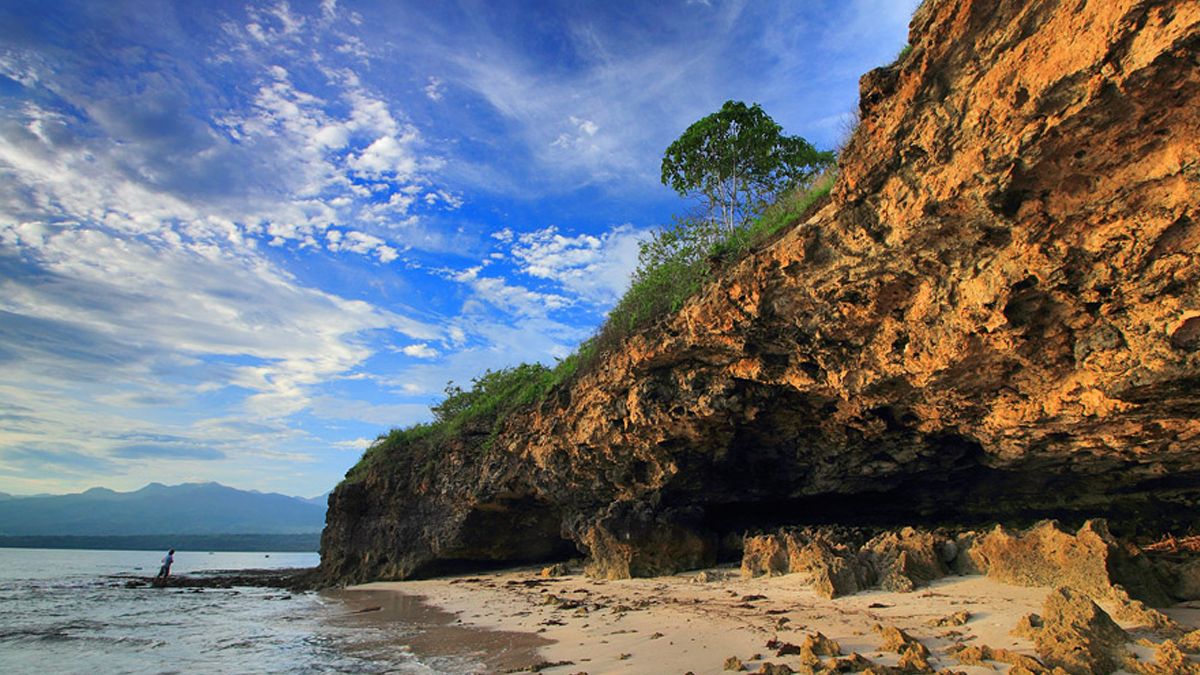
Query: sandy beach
pixel 695 622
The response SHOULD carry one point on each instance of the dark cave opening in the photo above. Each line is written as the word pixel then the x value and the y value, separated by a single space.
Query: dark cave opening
pixel 507 531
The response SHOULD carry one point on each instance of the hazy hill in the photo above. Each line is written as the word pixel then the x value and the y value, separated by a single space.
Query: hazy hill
pixel 191 508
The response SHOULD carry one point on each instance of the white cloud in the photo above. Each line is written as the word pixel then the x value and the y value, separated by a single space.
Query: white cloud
pixel 588 127
pixel 354 46
pixel 328 9
pixel 357 444
pixel 206 302
pixel 596 268
pixel 448 200
pixel 388 156
pixel 421 351
pixel 433 89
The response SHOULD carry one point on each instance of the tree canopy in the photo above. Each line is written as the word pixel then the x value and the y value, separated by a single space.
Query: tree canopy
pixel 736 159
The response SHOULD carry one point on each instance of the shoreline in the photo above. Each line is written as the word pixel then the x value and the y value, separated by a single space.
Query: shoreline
pixel 694 622
pixel 435 632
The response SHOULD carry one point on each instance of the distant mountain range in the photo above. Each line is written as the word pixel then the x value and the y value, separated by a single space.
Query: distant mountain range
pixel 188 509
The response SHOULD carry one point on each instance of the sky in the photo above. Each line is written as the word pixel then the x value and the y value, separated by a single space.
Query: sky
pixel 239 241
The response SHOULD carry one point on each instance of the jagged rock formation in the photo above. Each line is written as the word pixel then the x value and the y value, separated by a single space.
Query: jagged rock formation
pixel 832 563
pixel 1078 636
pixel 838 561
pixel 997 316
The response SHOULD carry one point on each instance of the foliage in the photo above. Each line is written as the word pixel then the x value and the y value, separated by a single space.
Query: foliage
pixel 491 398
pixel 670 269
pixel 676 260
pixel 736 159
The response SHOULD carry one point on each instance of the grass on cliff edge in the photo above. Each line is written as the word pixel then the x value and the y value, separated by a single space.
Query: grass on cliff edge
pixel 673 265
pixel 676 261
pixel 491 398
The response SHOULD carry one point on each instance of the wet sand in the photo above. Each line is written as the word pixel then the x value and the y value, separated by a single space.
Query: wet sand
pixel 436 632
pixel 680 624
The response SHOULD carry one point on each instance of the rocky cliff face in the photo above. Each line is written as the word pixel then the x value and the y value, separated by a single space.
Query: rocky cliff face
pixel 996 317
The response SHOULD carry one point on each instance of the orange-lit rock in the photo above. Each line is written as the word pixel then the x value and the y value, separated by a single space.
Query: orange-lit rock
pixel 997 316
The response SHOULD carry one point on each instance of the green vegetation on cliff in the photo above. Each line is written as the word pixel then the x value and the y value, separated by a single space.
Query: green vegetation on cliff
pixel 490 399
pixel 673 263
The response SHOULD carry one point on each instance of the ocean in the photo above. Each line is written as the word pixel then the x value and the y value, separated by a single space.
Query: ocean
pixel 62 611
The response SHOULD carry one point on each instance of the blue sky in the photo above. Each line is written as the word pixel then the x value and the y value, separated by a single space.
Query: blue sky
pixel 240 240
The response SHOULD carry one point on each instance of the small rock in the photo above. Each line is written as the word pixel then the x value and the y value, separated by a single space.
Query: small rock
pixel 784 648
pixel 769 668
pixel 956 619
pixel 896 640
pixel 1027 626
pixel 555 570
pixel 821 645
pixel 735 664
pixel 979 655
pixel 915 658
pixel 854 663
pixel 1170 659
pixel 1190 643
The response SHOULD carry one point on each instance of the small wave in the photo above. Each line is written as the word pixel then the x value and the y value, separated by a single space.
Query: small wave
pixel 70 631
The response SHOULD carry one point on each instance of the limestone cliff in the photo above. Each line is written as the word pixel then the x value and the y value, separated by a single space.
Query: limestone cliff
pixel 996 317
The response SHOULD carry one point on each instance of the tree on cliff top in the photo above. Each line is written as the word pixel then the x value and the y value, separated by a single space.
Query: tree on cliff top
pixel 736 159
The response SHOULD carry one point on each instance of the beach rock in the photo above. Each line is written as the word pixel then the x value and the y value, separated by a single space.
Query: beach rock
pixel 993 318
pixel 1168 660
pixel 906 559
pixel 1139 614
pixel 735 664
pixel 820 645
pixel 765 555
pixel 958 618
pixel 837 561
pixel 896 640
pixel 769 668
pixel 555 570
pixel 1190 643
pixel 1077 635
pixel 1090 561
pixel 979 655
pixel 823 557
pixel 1027 626
pixel 851 664
pixel 914 660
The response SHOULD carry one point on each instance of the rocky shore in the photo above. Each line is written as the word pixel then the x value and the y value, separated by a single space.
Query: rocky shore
pixel 297 579
pixel 718 621
pixel 834 599
pixel 995 318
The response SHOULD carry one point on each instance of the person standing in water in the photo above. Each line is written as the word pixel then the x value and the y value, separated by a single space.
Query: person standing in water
pixel 164 572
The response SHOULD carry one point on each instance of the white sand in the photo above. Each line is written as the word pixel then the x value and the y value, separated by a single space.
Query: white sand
pixel 677 624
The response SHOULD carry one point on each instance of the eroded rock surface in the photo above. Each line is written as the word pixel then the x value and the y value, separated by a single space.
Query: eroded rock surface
pixel 837 561
pixel 1077 636
pixel 996 317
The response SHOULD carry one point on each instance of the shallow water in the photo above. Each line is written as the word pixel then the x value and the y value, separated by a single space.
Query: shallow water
pixel 62 612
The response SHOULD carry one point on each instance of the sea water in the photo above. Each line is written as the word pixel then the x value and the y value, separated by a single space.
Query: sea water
pixel 68 611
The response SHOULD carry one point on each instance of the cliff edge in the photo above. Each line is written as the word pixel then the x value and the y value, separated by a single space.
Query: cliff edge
pixel 995 317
